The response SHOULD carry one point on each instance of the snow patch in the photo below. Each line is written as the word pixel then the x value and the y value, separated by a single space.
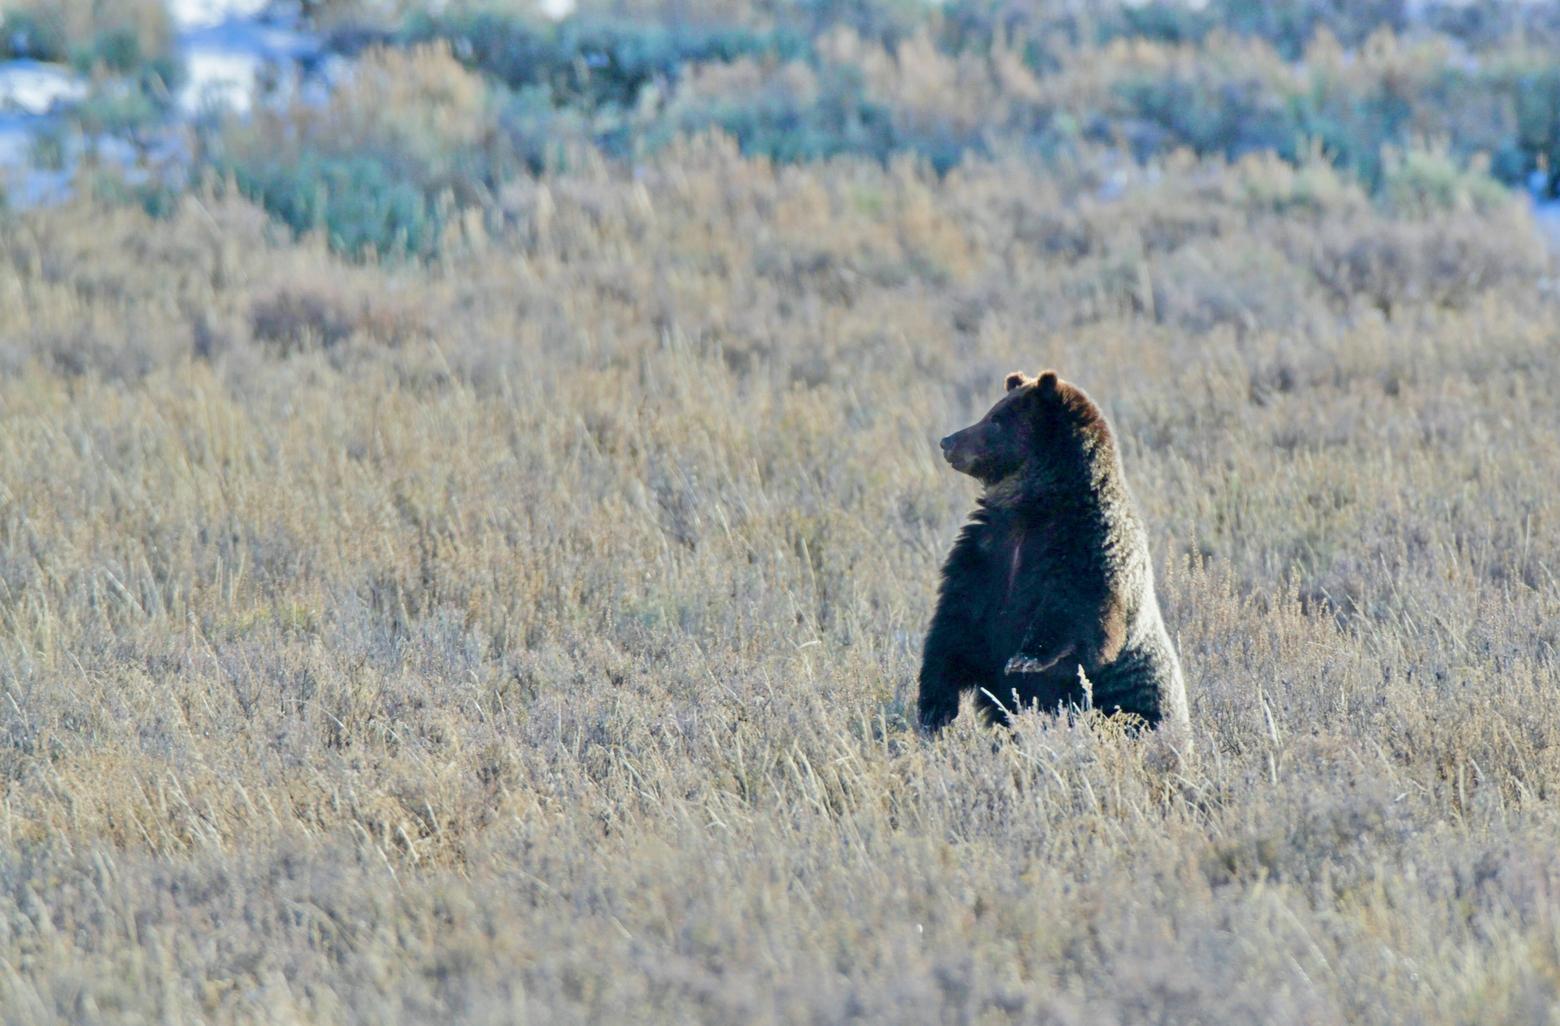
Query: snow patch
pixel 23 184
pixel 15 140
pixel 229 62
pixel 1546 212
pixel 193 14
pixel 218 79
pixel 234 48
pixel 33 87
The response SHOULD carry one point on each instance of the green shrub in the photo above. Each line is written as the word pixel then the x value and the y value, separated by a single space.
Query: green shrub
pixel 590 61
pixel 1290 25
pixel 35 34
pixel 795 115
pixel 1209 115
pixel 1425 181
pixel 1533 89
pixel 373 168
pixel 127 38
pixel 117 108
pixel 109 186
pixel 49 147
pixel 541 133
pixel 359 201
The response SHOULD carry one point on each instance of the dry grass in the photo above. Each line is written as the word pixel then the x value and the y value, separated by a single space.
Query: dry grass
pixel 529 637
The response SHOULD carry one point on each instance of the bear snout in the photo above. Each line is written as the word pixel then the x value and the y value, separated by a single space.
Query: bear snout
pixel 956 456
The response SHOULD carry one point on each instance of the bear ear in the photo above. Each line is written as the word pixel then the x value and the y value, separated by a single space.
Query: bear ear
pixel 1045 384
pixel 1015 379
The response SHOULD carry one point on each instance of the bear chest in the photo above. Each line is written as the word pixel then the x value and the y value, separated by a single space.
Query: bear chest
pixel 1016 560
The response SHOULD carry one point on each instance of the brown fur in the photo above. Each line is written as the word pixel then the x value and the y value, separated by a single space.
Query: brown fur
pixel 1051 574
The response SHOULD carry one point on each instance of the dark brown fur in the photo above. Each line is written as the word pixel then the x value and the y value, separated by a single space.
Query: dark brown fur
pixel 1051 573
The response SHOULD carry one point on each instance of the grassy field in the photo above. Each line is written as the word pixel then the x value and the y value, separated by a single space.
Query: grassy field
pixel 530 637
pixel 527 633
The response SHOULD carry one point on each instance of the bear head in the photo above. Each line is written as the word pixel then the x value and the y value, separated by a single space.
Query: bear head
pixel 1039 422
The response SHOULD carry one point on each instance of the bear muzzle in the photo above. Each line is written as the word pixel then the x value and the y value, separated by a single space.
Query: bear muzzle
pixel 956 451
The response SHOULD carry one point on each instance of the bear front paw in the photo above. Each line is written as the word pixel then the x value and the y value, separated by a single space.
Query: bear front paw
pixel 936 715
pixel 1024 664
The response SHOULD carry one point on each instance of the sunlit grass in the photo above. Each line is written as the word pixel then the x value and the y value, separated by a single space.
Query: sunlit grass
pixel 529 636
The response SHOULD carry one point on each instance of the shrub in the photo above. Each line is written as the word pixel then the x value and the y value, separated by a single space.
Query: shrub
pixel 117 107
pixel 35 33
pixel 360 202
pixel 49 148
pixel 591 61
pixel 1530 84
pixel 375 168
pixel 792 114
pixel 1424 181
pixel 1393 264
pixel 1311 186
pixel 419 106
pixel 127 37
pixel 112 187
pixel 1290 25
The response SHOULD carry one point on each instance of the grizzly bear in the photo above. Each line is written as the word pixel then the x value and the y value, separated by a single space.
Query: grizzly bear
pixel 1051 575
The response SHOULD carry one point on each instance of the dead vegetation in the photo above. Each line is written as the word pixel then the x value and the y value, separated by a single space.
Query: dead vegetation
pixel 528 635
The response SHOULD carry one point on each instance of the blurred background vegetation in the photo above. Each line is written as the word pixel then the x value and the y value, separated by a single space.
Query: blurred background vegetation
pixel 448 103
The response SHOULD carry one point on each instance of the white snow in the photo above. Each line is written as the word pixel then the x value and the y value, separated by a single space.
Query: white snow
pixel 16 140
pixel 1546 212
pixel 233 47
pixel 218 79
pixel 33 87
pixel 193 14
pixel 228 61
pixel 1546 209
pixel 25 185
pixel 21 123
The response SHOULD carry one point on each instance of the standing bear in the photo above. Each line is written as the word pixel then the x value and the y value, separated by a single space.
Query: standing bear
pixel 1050 574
